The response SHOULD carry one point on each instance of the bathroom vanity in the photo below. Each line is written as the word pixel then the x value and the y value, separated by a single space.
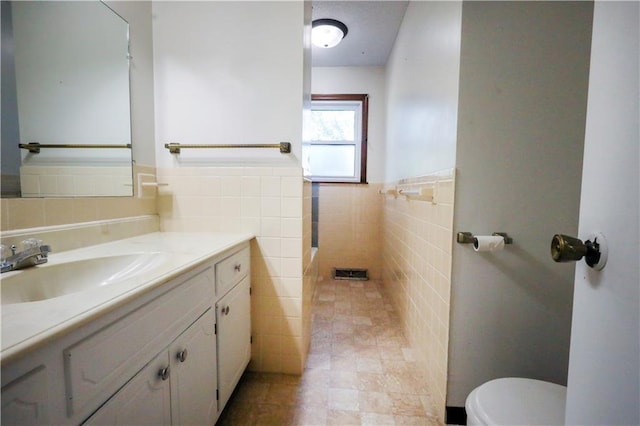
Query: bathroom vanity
pixel 162 341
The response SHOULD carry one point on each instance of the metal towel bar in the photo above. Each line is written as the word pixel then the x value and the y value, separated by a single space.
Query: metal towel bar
pixel 34 147
pixel 174 148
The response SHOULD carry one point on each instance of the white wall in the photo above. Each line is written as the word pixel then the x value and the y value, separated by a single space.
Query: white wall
pixel 523 92
pixel 422 91
pixel 225 74
pixel 604 365
pixel 349 214
pixel 369 80
pixel 230 72
pixel 138 15
pixel 422 110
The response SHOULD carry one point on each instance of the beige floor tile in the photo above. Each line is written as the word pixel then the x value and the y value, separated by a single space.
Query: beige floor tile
pixel 343 363
pixel 314 379
pixel 372 382
pixel 313 398
pixel 369 365
pixel 271 414
pixel 404 404
pixel 360 369
pixel 375 419
pixel 375 402
pixel 343 399
pixel 365 335
pixel 303 416
pixel 344 379
pixel 251 391
pixel 238 414
pixel 318 361
pixel 342 348
pixel 366 351
pixel 415 421
pixel 343 418
pixel 362 320
pixel 342 328
pixel 392 353
pixel 282 394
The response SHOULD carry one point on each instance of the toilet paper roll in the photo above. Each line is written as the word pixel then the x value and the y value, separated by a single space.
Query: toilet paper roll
pixel 488 243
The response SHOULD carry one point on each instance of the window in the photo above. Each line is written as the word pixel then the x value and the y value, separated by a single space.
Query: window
pixel 336 150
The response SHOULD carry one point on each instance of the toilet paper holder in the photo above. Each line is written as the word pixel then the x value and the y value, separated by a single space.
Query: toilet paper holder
pixel 468 237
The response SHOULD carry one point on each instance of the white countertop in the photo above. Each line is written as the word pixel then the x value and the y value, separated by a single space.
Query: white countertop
pixel 28 325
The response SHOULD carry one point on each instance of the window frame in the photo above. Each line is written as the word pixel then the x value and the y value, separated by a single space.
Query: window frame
pixel 364 100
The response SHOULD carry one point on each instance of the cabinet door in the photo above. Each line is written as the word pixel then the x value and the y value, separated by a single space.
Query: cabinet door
pixel 193 373
pixel 234 338
pixel 101 363
pixel 145 400
pixel 24 401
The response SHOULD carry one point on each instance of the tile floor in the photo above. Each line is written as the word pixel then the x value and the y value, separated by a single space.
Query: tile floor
pixel 360 369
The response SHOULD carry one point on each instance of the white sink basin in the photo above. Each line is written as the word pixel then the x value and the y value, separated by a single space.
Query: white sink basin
pixel 54 280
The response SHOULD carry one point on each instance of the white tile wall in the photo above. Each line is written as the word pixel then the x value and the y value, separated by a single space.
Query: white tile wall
pixel 67 181
pixel 21 213
pixel 77 235
pixel 349 228
pixel 418 238
pixel 310 267
pixel 268 202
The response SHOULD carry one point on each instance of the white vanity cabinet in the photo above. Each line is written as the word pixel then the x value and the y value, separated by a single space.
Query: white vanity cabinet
pixel 234 338
pixel 145 400
pixel 193 374
pixel 234 325
pixel 176 387
pixel 25 400
pixel 173 355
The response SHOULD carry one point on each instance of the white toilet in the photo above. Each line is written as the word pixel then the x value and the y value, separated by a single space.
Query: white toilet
pixel 516 401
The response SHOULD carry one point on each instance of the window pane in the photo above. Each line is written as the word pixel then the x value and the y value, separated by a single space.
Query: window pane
pixel 332 125
pixel 331 160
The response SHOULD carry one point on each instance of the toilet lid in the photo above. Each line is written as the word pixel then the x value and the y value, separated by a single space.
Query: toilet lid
pixel 515 401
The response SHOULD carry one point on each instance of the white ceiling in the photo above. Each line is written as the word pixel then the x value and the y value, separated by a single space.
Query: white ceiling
pixel 373 26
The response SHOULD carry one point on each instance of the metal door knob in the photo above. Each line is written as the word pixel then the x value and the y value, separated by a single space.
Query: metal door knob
pixel 570 249
pixel 567 249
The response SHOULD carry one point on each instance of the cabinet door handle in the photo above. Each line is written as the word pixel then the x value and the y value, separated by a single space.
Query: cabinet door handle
pixel 237 267
pixel 164 373
pixel 225 310
pixel 182 355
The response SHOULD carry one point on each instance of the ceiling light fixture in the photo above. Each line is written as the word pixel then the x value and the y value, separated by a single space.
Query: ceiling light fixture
pixel 327 33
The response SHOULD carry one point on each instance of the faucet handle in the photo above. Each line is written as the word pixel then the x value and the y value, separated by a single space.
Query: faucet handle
pixel 31 243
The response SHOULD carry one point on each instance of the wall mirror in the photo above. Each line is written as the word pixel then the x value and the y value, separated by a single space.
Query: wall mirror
pixel 65 85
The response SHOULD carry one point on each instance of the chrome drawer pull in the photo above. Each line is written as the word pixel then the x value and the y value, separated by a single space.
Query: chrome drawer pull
pixel 164 373
pixel 182 355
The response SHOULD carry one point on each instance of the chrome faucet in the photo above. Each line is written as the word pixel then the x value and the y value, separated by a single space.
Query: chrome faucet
pixel 33 253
